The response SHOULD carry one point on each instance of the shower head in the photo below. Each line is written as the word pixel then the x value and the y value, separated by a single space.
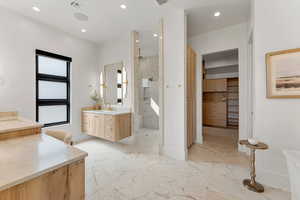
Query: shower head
pixel 78 15
pixel 81 16
pixel 161 2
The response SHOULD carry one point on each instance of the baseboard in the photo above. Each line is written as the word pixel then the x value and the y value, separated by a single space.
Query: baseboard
pixel 199 140
pixel 274 180
pixel 82 138
pixel 174 153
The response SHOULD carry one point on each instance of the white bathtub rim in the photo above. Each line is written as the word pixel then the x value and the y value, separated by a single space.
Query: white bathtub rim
pixel 293 156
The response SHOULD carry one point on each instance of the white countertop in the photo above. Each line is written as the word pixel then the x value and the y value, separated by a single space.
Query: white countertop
pixel 108 112
pixel 25 158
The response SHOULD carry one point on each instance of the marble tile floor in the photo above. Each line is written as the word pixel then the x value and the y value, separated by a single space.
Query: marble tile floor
pixel 219 146
pixel 133 170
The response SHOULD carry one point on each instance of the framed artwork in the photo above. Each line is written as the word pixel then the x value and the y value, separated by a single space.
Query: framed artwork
pixel 283 74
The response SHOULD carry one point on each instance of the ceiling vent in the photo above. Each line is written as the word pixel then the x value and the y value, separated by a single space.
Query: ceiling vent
pixel 161 2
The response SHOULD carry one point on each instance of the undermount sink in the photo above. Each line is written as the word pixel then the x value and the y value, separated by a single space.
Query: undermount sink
pixel 109 112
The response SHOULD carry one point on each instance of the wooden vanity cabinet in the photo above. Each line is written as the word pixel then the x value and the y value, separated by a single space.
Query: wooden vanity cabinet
pixel 109 127
pixel 64 183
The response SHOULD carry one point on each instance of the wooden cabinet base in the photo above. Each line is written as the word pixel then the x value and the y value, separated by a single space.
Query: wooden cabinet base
pixel 65 183
pixel 13 134
pixel 108 127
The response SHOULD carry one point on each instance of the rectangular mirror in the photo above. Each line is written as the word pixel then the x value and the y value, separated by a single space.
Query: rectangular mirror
pixel 115 83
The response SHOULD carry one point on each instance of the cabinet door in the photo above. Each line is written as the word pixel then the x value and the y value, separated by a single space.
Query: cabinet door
pixel 91 124
pixel 99 126
pixel 215 109
pixel 84 121
pixel 109 127
pixel 49 186
pixel 76 182
pixel 122 126
pixel 215 85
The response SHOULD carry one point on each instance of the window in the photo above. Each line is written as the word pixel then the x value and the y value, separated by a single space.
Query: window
pixel 52 88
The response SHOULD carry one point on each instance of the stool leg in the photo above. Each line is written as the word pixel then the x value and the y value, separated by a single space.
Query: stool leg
pixel 252 166
pixel 251 184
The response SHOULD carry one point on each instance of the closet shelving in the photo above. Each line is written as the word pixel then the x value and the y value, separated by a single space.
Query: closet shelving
pixel 221 89
pixel 232 102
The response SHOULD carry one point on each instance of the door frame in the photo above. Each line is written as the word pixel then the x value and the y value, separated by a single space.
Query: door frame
pixel 251 88
pixel 161 85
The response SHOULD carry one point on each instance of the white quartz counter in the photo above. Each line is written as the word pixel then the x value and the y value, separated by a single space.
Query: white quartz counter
pixel 108 112
pixel 25 158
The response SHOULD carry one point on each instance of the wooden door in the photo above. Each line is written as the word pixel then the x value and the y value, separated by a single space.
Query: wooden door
pixel 191 96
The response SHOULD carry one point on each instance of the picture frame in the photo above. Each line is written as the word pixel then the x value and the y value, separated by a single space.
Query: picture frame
pixel 283 74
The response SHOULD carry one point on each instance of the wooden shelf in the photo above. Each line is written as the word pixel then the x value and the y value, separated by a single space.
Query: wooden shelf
pixel 234 64
pixel 215 92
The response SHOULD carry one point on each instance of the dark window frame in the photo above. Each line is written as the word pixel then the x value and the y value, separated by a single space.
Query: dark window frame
pixel 53 78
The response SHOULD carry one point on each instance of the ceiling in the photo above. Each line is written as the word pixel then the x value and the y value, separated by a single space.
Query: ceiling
pixel 107 21
pixel 201 18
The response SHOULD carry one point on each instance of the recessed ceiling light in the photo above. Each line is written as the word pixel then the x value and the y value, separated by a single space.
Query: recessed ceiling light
pixel 155 35
pixel 137 41
pixel 36 9
pixel 217 14
pixel 83 30
pixel 123 6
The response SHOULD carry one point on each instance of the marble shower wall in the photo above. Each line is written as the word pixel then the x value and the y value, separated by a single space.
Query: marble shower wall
pixel 148 97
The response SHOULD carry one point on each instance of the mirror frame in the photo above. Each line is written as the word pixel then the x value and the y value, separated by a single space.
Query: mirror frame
pixel 103 81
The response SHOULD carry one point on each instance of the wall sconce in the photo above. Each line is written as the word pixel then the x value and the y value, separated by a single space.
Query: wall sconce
pixel 125 82
pixel 102 86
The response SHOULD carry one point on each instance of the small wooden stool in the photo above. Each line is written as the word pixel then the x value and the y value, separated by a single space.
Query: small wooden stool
pixel 251 184
pixel 60 135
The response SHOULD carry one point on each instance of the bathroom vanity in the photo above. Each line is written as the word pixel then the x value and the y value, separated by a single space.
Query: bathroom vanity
pixel 108 125
pixel 111 124
pixel 39 167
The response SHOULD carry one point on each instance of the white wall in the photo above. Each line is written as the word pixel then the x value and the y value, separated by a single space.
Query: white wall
pixel 117 51
pixel 174 84
pixel 232 37
pixel 174 138
pixel 19 38
pixel 276 27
